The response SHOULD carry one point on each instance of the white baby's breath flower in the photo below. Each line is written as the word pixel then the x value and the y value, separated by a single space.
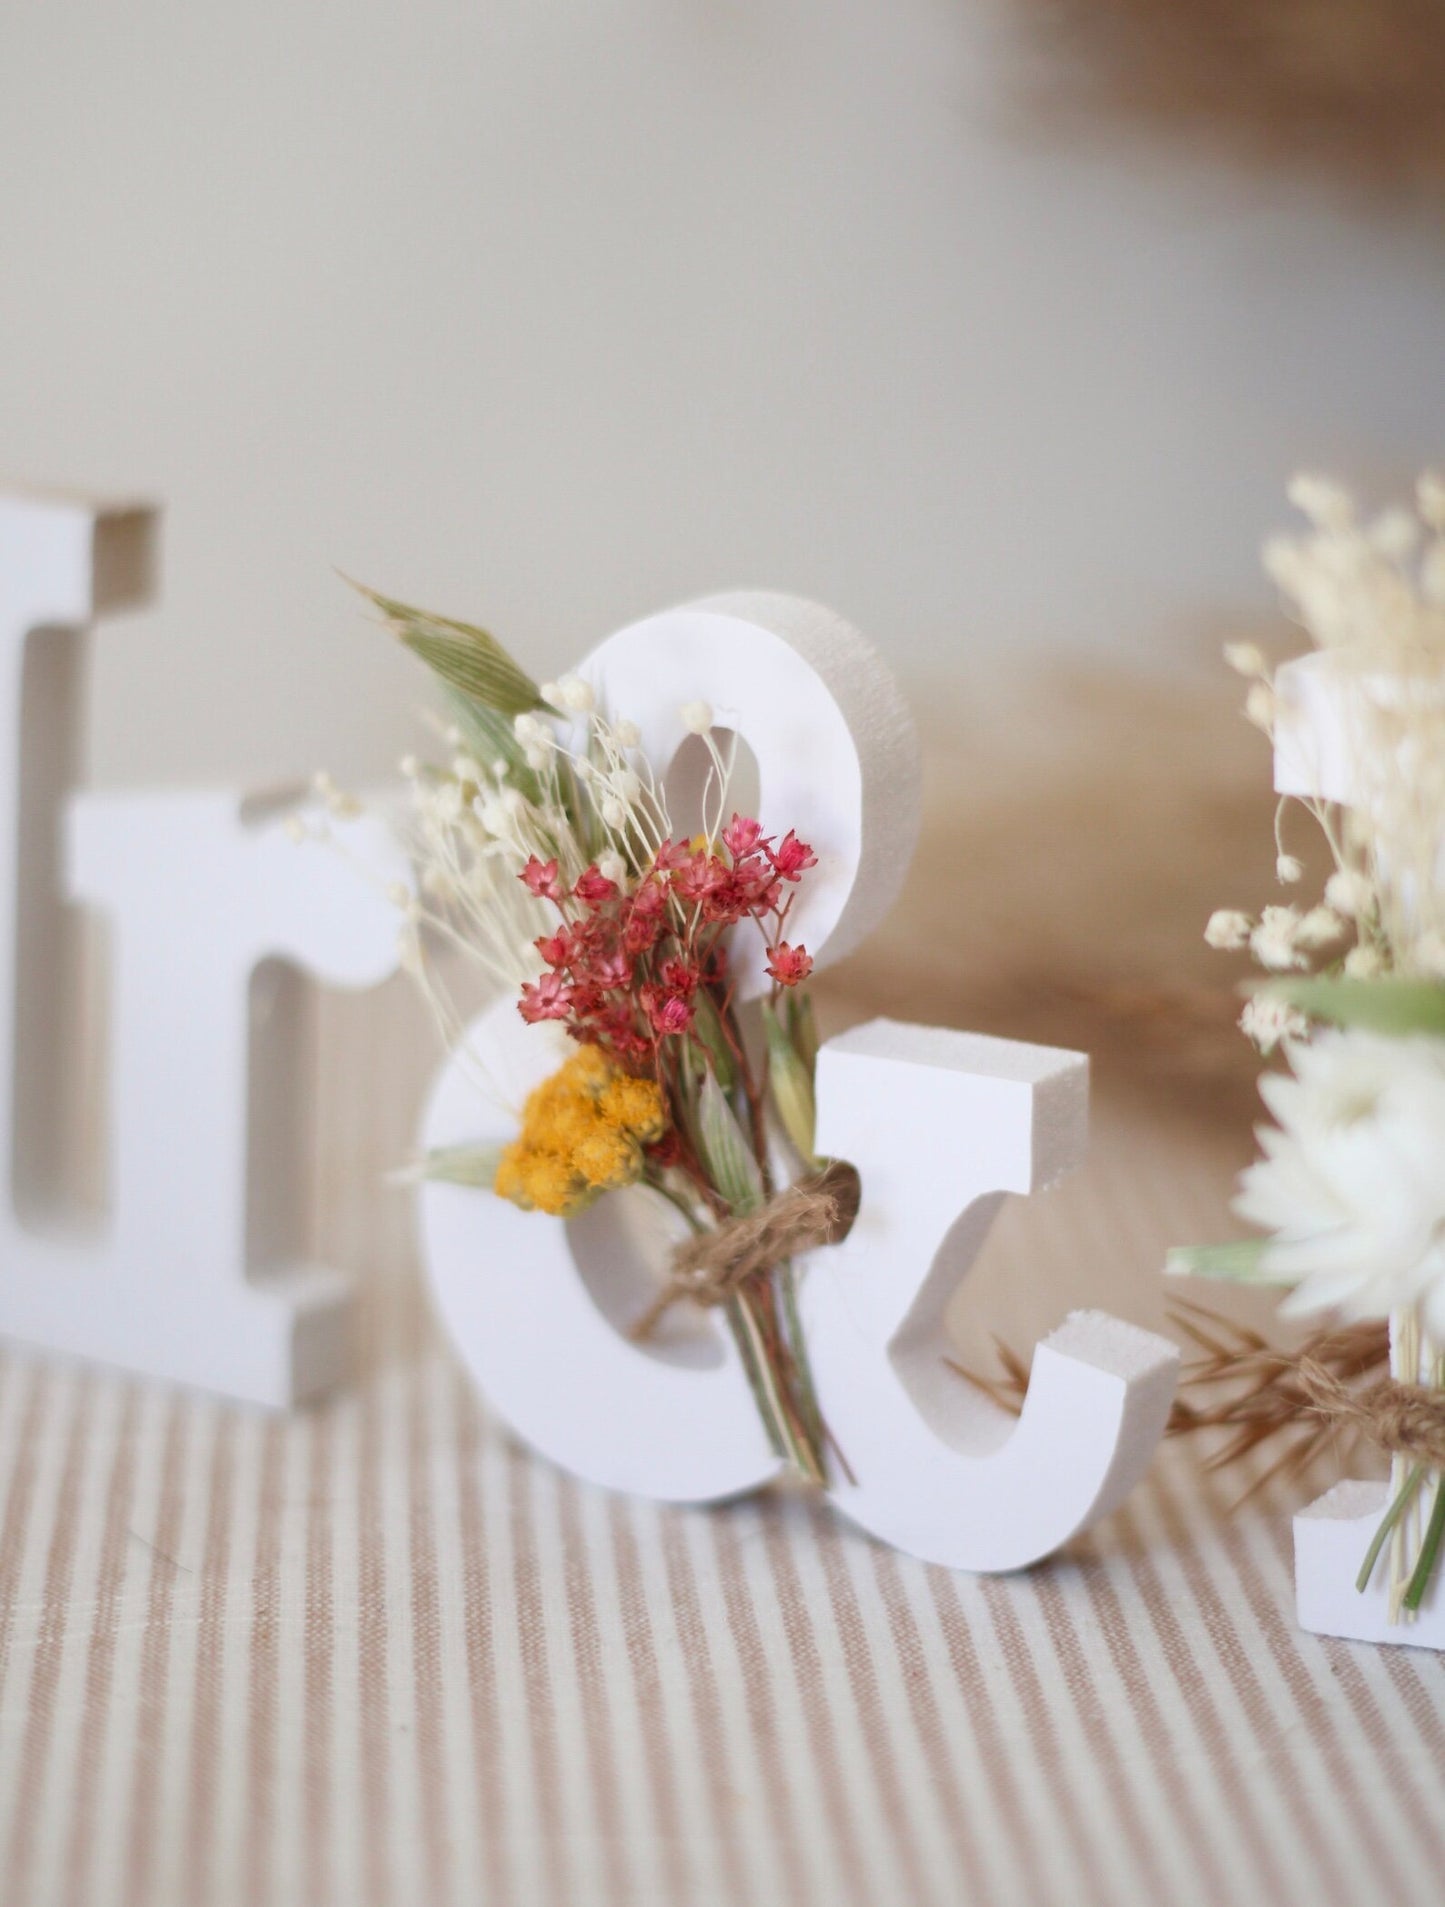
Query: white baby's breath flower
pixel 578 697
pixel 1267 1022
pixel 1245 658
pixel 528 730
pixel 1289 869
pixel 536 757
pixel 1363 963
pixel 1321 927
pixel 551 694
pixel 1349 893
pixel 626 734
pixel 1272 941
pixel 1228 929
pixel 696 717
pixel 1350 1184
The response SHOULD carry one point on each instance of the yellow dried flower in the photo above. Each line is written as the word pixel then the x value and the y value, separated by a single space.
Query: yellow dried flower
pixel 608 1158
pixel 583 1130
pixel 637 1106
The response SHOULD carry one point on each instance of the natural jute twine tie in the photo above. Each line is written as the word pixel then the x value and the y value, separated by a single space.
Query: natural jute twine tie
pixel 713 1267
pixel 1406 1419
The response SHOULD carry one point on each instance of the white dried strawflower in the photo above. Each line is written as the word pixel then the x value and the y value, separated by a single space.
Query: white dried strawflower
pixel 1245 658
pixel 1228 929
pixel 1272 941
pixel 1350 1185
pixel 1289 869
pixel 696 717
pixel 578 697
pixel 1349 893
pixel 1267 1022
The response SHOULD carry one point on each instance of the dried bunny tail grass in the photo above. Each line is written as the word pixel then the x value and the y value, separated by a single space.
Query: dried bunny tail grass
pixel 1312 1396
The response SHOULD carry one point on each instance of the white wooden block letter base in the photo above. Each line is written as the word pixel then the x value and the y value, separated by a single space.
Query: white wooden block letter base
pixel 940 1125
pixel 1315 754
pixel 190 1275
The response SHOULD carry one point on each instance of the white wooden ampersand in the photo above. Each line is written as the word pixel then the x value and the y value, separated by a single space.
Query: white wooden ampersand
pixel 1320 733
pixel 940 1126
pixel 193 1272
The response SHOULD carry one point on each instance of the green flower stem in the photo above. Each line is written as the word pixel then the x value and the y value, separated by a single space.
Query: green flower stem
pixel 1387 1523
pixel 1429 1550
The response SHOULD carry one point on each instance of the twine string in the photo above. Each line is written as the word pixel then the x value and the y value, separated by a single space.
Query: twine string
pixel 717 1265
pixel 1407 1420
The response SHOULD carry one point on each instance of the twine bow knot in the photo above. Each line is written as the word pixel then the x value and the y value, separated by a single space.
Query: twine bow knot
pixel 714 1267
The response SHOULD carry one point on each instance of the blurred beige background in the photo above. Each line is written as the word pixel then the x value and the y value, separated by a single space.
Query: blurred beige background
pixel 551 315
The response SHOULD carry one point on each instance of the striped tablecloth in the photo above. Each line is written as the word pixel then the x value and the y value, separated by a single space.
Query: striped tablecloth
pixel 375 1653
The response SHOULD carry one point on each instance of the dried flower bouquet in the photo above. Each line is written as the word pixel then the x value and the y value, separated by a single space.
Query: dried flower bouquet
pixel 1349 1194
pixel 549 860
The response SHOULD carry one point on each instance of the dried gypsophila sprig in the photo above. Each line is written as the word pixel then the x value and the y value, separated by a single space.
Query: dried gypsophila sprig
pixel 1373 594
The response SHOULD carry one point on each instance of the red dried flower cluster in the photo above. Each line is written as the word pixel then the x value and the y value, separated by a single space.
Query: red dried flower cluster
pixel 625 968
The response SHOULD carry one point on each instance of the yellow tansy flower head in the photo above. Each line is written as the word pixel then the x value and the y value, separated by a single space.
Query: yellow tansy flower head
pixel 583 1131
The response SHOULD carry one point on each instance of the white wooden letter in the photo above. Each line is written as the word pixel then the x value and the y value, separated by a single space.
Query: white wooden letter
pixel 190 1276
pixel 940 1125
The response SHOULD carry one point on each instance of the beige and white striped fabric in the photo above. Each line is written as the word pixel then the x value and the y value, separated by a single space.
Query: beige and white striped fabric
pixel 375 1653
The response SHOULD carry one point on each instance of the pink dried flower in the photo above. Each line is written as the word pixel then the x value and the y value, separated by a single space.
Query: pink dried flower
pixel 541 878
pixel 788 965
pixel 549 998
